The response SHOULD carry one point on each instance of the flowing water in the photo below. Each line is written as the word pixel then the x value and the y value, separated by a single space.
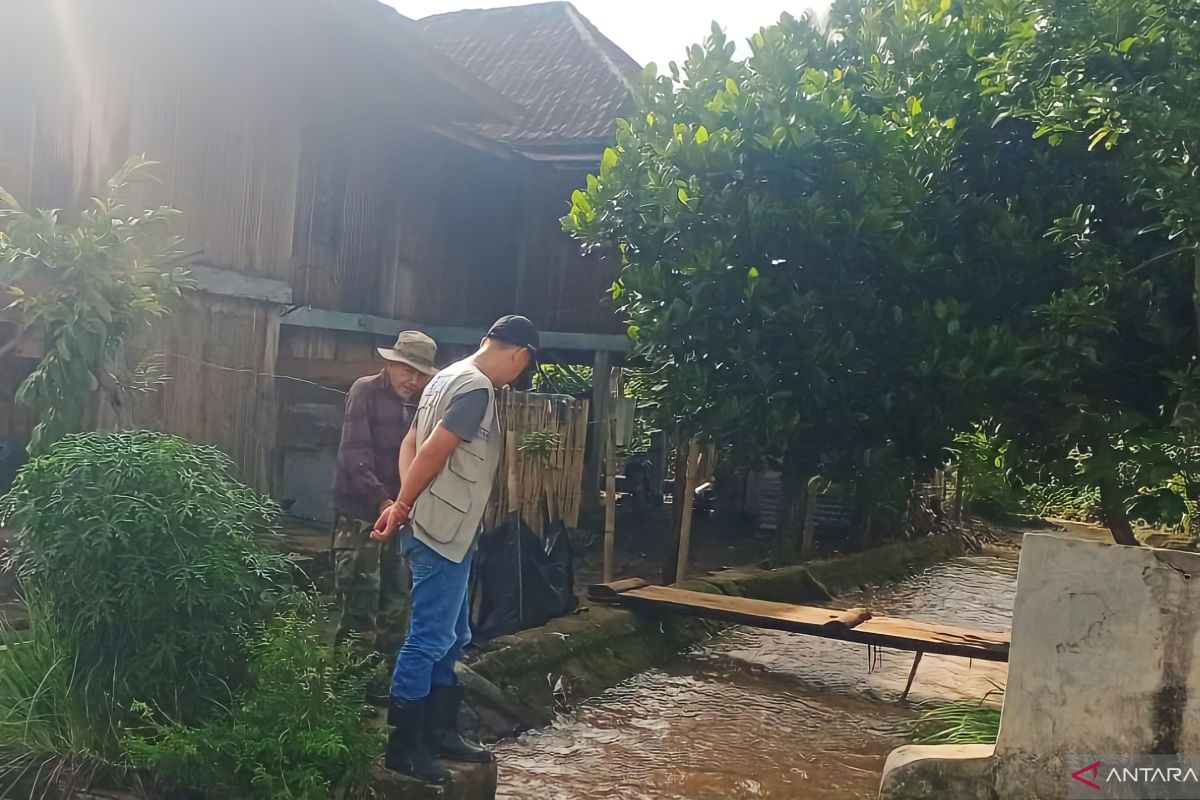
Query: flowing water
pixel 766 714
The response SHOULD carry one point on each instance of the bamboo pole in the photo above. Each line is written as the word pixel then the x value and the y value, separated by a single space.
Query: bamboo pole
pixel 695 456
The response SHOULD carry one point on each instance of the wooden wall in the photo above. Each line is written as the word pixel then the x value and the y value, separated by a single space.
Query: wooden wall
pixel 561 288
pixel 219 354
pixel 97 86
pixel 284 167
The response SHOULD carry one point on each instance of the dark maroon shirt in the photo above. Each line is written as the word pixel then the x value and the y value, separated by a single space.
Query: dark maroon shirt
pixel 368 458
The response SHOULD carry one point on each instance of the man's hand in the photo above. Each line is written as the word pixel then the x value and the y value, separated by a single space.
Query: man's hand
pixel 392 517
pixel 426 464
pixel 384 506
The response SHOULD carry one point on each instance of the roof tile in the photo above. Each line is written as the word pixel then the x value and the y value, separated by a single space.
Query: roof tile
pixel 572 81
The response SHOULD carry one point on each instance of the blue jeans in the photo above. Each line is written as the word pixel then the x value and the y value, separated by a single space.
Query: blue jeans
pixel 440 625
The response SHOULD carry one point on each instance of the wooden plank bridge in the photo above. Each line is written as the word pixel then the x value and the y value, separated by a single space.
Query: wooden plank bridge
pixel 850 625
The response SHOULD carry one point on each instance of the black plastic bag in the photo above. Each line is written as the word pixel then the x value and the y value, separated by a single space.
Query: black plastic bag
pixel 521 581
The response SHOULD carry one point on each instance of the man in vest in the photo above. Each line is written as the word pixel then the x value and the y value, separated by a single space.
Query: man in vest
pixel 447 468
pixel 372 581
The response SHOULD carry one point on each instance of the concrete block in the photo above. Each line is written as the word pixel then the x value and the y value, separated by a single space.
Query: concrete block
pixel 1105 659
pixel 469 782
pixel 949 772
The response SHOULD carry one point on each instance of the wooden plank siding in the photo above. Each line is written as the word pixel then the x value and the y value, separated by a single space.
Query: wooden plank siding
pixel 239 102
pixel 561 288
pixel 299 181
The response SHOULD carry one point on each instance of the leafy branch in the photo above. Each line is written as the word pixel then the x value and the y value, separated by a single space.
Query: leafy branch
pixel 85 287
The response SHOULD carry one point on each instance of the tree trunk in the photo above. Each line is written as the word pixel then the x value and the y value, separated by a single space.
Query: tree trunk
pixel 1196 293
pixel 1115 516
pixel 793 485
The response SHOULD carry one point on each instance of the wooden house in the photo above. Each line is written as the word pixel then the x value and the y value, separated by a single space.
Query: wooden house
pixel 343 173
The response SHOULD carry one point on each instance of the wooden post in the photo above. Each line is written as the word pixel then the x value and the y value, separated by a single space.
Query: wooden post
pixel 658 447
pixel 810 514
pixel 912 674
pixel 678 489
pixel 689 500
pixel 600 414
pixel 960 481
pixel 610 479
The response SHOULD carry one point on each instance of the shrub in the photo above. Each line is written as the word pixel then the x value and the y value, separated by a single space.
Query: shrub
pixel 143 549
pixel 293 733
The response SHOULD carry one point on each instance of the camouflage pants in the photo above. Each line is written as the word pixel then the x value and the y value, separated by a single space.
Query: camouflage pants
pixel 373 586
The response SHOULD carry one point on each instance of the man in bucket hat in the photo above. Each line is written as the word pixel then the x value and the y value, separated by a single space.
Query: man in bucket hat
pixel 372 580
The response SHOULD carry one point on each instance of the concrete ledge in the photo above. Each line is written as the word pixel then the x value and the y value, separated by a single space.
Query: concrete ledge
pixel 469 782
pixel 884 565
pixel 569 659
pixel 939 772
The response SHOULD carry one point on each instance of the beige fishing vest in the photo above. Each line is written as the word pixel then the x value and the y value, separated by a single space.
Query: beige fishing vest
pixel 446 516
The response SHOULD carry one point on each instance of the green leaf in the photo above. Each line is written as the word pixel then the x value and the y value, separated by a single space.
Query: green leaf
pixel 1098 137
pixel 701 135
pixel 914 106
pixel 632 330
pixel 608 161
pixel 732 87
pixel 1125 44
pixel 683 195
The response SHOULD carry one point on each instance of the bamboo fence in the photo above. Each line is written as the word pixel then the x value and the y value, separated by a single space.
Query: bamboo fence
pixel 540 476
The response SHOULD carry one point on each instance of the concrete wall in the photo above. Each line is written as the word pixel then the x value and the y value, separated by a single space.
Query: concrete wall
pixel 1105 660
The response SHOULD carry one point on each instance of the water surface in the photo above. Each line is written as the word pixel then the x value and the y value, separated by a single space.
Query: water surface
pixel 766 714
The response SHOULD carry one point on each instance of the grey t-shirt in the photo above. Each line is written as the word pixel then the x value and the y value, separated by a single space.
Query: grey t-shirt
pixel 465 414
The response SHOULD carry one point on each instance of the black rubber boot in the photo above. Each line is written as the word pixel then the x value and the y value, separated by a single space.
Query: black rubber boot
pixel 406 751
pixel 441 725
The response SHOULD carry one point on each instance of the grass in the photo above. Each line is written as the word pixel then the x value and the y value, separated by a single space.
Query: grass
pixel 957 722
pixel 57 730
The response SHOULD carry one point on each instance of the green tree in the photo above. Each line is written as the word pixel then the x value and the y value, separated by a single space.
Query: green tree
pixel 1110 86
pixel 773 266
pixel 83 288
pixel 854 242
pixel 1122 76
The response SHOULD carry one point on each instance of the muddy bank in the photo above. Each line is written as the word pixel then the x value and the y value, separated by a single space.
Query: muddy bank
pixel 518 681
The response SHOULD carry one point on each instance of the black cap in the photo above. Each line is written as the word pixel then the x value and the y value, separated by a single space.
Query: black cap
pixel 515 330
